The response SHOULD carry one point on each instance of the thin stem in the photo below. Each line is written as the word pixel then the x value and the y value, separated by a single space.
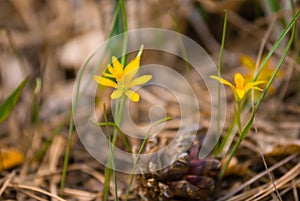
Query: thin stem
pixel 219 74
pixel 229 132
pixel 140 151
pixel 111 146
pixel 238 116
pixel 125 29
pixel 118 117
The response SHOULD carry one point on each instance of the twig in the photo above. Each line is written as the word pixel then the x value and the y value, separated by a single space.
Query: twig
pixel 294 186
pixel 295 171
pixel 30 194
pixel 268 171
pixel 36 189
pixel 252 180
pixel 263 43
pixel 9 178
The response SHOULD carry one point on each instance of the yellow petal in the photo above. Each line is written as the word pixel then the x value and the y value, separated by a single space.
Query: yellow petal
pixel 247 62
pixel 140 80
pixel 239 81
pixel 118 68
pixel 133 65
pixel 240 93
pixel 221 80
pixel 104 81
pixel 128 76
pixel 256 83
pixel 251 85
pixel 257 88
pixel 132 95
pixel 116 94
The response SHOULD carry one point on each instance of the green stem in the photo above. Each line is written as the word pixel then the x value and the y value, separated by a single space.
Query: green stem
pixel 118 117
pixel 216 151
pixel 111 146
pixel 226 137
pixel 238 117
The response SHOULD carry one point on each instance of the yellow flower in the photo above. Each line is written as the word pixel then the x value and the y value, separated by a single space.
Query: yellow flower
pixel 122 79
pixel 241 86
pixel 265 74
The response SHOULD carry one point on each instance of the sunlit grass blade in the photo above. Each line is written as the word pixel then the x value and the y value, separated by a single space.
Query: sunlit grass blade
pixel 9 104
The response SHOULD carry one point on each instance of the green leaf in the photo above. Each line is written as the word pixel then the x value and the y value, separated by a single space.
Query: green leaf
pixel 8 105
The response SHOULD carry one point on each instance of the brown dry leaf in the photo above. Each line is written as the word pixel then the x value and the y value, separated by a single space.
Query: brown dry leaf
pixel 10 158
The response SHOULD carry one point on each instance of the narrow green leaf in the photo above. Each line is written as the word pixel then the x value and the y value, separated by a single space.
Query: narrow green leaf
pixel 8 105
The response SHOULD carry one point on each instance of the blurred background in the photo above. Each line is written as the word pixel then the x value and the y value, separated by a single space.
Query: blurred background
pixel 48 40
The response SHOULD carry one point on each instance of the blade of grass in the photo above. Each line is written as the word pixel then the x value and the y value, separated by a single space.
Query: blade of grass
pixel 111 148
pixel 125 30
pixel 35 108
pixel 71 127
pixel 9 104
pixel 217 150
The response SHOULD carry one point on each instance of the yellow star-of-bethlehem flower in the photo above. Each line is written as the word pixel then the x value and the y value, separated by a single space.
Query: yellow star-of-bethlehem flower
pixel 122 79
pixel 265 74
pixel 241 86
